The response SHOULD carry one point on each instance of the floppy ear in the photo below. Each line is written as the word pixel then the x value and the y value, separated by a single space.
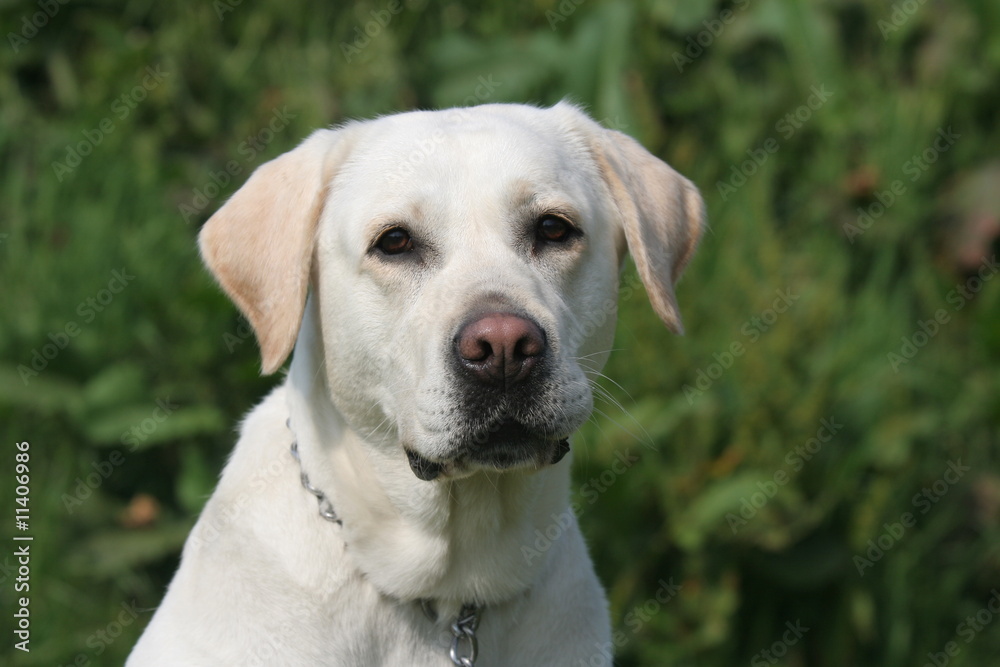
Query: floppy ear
pixel 662 214
pixel 259 245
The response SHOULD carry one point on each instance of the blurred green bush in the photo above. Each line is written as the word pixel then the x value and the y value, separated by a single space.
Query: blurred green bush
pixel 819 452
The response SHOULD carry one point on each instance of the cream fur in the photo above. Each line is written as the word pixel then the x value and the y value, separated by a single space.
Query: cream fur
pixel 263 579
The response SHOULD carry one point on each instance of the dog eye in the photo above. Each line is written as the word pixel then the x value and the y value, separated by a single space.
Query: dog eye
pixel 394 241
pixel 554 229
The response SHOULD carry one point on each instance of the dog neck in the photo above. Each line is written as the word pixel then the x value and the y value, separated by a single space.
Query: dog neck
pixel 462 540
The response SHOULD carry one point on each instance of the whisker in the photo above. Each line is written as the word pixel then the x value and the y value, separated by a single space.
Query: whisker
pixel 647 442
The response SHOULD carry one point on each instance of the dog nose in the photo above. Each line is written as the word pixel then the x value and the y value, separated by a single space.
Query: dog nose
pixel 500 348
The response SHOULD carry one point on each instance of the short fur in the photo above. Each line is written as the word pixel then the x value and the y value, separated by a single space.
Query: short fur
pixel 263 578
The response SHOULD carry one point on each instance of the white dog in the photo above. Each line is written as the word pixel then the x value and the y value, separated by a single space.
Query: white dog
pixel 448 281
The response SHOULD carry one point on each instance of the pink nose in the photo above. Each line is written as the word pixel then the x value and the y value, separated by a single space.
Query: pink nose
pixel 500 348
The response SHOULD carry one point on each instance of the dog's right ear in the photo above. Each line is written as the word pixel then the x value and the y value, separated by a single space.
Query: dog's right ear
pixel 259 245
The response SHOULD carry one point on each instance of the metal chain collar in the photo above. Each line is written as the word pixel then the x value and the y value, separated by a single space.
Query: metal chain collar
pixel 325 506
pixel 464 645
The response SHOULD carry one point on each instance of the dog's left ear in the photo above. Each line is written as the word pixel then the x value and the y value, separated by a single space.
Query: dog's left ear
pixel 662 213
pixel 259 245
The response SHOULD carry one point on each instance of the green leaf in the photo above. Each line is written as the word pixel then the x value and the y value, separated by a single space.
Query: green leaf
pixel 116 384
pixel 111 552
pixel 144 425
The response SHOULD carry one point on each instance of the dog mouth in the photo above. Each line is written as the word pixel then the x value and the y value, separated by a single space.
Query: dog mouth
pixel 506 446
pixel 423 468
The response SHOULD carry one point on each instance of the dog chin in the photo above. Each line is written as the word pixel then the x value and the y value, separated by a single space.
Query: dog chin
pixel 510 446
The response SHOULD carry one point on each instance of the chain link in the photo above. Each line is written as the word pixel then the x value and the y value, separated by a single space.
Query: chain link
pixel 465 646
pixel 325 506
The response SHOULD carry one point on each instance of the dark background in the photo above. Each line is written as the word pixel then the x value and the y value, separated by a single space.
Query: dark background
pixel 819 451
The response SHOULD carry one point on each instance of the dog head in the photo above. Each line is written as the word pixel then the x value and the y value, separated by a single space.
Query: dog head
pixel 465 265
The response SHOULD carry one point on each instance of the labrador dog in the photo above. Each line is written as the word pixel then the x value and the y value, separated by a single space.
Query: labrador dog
pixel 448 282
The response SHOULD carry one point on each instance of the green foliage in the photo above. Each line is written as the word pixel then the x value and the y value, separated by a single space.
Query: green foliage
pixel 781 443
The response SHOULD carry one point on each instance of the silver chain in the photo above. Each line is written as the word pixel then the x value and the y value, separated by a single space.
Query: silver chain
pixel 464 645
pixel 325 506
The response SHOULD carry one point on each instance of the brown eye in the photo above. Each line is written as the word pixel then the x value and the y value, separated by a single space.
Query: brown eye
pixel 554 229
pixel 395 241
